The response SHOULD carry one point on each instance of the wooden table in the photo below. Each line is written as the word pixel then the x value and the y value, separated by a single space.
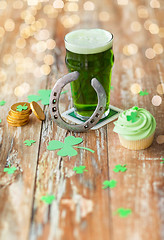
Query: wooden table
pixel 82 208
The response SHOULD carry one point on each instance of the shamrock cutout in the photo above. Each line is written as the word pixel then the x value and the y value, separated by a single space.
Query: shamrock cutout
pixel 123 212
pixel 21 108
pixel 80 169
pixel 162 161
pixel 111 88
pixel 143 93
pixel 132 116
pixel 44 96
pixel 67 147
pixel 10 170
pixel 110 184
pixel 29 142
pixel 120 168
pixel 2 103
pixel 48 199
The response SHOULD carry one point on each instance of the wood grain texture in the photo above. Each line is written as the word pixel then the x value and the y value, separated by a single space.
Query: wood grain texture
pixel 82 209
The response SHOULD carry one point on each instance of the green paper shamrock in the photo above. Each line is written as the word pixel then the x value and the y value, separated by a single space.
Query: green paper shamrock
pixel 80 169
pixel 132 117
pixel 111 88
pixel 44 96
pixel 67 147
pixel 143 93
pixel 120 168
pixel 48 199
pixel 21 108
pixel 123 212
pixel 2 103
pixel 10 170
pixel 29 142
pixel 162 161
pixel 110 184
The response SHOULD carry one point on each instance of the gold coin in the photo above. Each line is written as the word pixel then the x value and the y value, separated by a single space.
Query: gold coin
pixel 18 116
pixel 14 108
pixel 17 124
pixel 12 120
pixel 37 111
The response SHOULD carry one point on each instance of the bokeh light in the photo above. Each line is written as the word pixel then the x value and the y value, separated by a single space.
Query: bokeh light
pixel 150 53
pixel 104 16
pixel 18 4
pixel 20 43
pixel 9 25
pixel 22 89
pixel 122 2
pixel 153 28
pixel 135 26
pixel 142 12
pixel 58 4
pixel 156 100
pixel 45 69
pixel 3 5
pixel 48 59
pixel 158 48
pixel 89 6
pixel 43 34
pixel 51 44
pixel 130 49
pixel 71 7
pixel 7 59
pixel 155 4
pixel 135 88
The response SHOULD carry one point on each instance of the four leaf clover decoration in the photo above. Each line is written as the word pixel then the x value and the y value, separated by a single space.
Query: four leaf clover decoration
pixel 67 148
pixel 120 168
pixel 2 103
pixel 132 117
pixel 123 212
pixel 48 199
pixel 43 96
pixel 80 169
pixel 29 142
pixel 21 108
pixel 143 93
pixel 10 170
pixel 109 184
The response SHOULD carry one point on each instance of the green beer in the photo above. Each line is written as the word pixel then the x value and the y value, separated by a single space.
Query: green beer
pixel 89 51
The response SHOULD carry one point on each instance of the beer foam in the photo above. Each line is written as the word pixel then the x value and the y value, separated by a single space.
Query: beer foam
pixel 88 41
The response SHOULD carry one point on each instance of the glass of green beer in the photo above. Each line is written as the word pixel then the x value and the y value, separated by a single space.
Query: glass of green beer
pixel 89 51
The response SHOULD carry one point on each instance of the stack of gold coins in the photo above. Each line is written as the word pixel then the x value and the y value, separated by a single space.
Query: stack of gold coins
pixel 19 114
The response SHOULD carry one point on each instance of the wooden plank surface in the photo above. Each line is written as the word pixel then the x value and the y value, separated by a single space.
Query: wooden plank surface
pixel 82 209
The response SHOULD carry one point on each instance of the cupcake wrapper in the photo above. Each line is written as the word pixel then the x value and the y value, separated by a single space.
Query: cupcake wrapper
pixel 138 144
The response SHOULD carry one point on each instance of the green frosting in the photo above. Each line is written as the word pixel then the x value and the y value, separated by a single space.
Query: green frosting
pixel 135 124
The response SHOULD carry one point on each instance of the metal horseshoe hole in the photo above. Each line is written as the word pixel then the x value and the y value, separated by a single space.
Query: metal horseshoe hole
pixel 54 104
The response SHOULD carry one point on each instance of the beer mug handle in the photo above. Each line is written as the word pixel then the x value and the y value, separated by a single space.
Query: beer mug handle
pixel 54 104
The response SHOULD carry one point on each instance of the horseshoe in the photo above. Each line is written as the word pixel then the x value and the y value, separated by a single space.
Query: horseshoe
pixel 54 104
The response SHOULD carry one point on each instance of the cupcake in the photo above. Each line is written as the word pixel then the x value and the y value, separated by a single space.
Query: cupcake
pixel 135 128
